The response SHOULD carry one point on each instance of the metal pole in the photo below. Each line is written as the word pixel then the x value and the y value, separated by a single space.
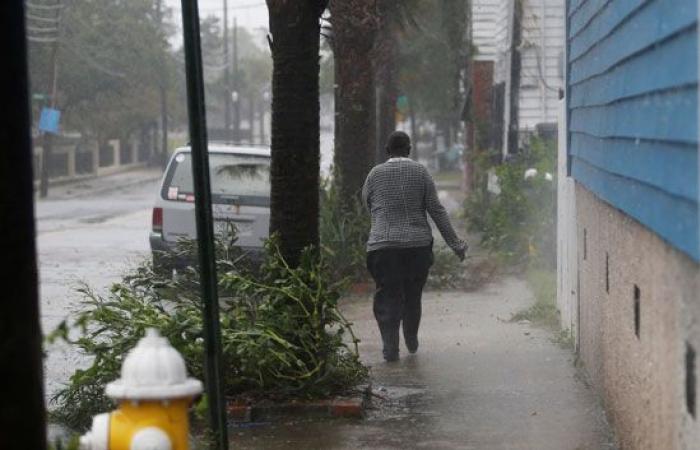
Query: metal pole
pixel 236 86
pixel 163 92
pixel 227 77
pixel 204 221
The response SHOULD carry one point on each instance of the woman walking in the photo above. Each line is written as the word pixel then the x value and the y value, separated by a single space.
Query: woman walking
pixel 400 194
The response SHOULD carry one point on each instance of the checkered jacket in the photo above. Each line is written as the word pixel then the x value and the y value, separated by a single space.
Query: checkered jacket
pixel 398 194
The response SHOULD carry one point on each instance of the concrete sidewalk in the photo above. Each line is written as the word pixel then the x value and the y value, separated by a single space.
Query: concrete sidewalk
pixel 98 185
pixel 477 382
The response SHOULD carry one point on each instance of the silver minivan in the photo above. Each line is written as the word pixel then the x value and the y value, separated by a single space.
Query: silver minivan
pixel 240 188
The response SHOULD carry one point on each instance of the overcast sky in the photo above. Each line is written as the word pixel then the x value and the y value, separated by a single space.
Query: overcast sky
pixel 249 13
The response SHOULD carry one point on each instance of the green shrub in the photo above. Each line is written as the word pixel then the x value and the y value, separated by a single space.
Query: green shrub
pixel 73 443
pixel 344 229
pixel 282 331
pixel 519 223
pixel 446 272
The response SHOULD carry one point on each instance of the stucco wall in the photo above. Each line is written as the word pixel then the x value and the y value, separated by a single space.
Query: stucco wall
pixel 642 377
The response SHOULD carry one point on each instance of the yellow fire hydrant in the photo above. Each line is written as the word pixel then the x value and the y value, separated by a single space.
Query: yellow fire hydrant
pixel 153 395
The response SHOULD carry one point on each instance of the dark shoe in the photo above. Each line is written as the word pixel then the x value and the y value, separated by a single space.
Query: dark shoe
pixel 411 343
pixel 391 356
pixel 390 341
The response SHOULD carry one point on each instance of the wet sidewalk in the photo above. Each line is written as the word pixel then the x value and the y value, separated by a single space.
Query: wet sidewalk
pixel 477 382
pixel 104 184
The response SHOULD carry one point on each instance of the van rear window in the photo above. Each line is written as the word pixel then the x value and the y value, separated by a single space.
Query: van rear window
pixel 238 179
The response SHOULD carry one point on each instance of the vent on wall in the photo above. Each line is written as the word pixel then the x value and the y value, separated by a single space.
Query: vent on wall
pixel 690 380
pixel 637 310
pixel 607 273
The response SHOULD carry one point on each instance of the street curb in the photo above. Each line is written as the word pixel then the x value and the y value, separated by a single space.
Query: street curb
pixel 362 288
pixel 266 410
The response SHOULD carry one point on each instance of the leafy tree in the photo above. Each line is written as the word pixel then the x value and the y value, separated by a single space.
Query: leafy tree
pixel 294 172
pixel 252 74
pixel 432 55
pixel 111 53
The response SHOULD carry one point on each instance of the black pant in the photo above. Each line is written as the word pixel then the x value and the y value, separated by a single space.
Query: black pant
pixel 400 274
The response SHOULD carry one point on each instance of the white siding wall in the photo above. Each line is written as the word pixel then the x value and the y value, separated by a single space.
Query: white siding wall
pixel 542 52
pixel 484 33
pixel 567 258
pixel 502 39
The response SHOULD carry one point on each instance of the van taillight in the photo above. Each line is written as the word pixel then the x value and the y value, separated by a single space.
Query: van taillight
pixel 157 219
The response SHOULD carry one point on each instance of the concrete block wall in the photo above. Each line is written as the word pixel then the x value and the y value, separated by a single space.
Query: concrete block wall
pixel 71 152
pixel 639 323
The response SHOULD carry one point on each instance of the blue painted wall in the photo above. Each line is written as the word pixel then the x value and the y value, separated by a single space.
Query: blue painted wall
pixel 633 110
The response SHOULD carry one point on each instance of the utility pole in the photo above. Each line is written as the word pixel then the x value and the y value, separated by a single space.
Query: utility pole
pixel 512 97
pixel 251 117
pixel 227 77
pixel 51 88
pixel 163 99
pixel 237 99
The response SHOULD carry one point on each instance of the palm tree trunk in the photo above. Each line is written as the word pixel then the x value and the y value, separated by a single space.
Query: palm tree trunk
pixel 295 31
pixel 354 28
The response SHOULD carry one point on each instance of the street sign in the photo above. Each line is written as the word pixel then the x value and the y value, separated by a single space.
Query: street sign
pixel 49 120
pixel 402 104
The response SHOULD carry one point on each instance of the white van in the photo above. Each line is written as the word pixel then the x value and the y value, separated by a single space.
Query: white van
pixel 240 189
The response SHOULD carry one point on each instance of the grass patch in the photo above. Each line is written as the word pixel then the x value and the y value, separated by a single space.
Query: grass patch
pixel 544 311
pixel 565 338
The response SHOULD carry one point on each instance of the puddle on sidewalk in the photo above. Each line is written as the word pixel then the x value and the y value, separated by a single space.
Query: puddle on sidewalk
pixel 393 415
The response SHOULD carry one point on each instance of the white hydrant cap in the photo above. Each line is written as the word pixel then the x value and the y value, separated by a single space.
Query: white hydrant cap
pixel 153 370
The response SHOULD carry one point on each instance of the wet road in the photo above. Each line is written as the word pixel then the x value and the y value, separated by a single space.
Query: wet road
pixel 477 382
pixel 83 236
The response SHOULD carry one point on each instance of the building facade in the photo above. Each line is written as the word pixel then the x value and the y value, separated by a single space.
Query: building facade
pixel 628 231
pixel 525 46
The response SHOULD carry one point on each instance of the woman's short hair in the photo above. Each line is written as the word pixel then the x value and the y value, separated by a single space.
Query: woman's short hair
pixel 398 143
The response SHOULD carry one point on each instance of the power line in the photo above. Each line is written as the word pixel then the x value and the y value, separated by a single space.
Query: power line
pixel 221 8
pixel 38 6
pixel 42 30
pixel 41 19
pixel 41 40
